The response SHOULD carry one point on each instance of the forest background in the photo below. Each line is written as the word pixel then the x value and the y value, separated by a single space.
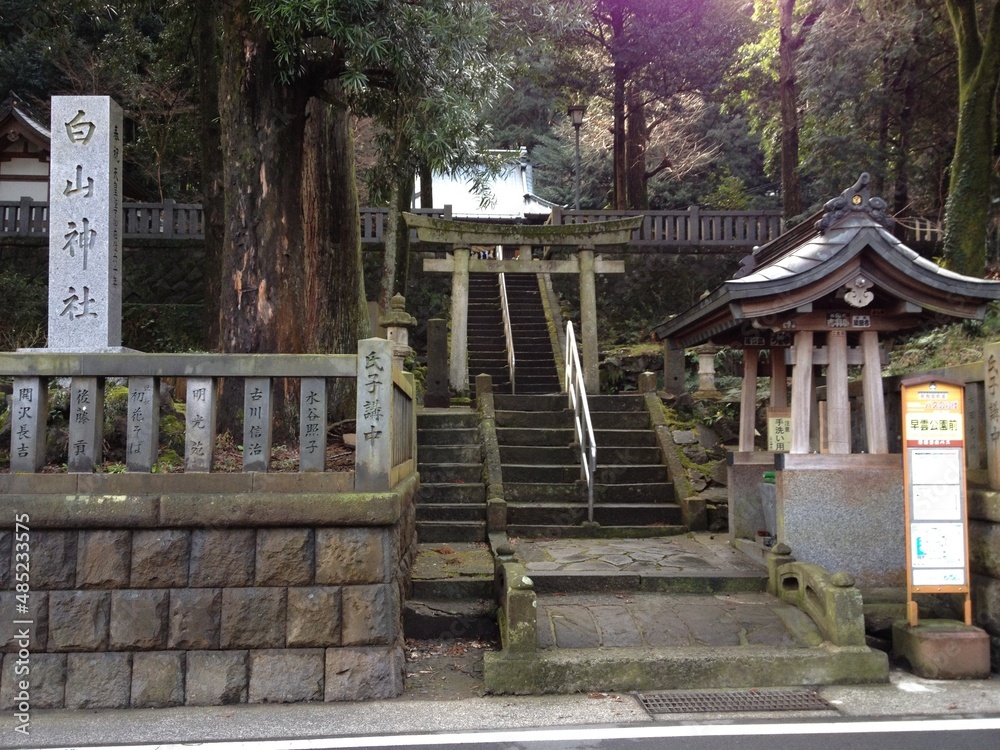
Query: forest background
pixel 283 116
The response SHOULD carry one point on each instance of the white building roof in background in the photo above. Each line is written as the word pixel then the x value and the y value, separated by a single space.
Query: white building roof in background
pixel 512 197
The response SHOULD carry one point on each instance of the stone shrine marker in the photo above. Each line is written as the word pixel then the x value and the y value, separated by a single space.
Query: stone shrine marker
pixel 85 233
pixel 85 287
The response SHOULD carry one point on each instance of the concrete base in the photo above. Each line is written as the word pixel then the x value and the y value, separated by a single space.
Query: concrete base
pixel 622 669
pixel 943 649
pixel 842 512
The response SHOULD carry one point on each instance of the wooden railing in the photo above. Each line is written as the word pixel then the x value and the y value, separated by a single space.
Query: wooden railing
pixel 386 423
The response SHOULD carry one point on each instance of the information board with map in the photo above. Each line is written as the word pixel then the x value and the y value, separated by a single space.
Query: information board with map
pixel 937 549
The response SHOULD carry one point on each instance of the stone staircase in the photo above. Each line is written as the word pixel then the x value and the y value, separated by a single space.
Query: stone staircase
pixel 534 366
pixel 487 344
pixel 546 497
pixel 451 501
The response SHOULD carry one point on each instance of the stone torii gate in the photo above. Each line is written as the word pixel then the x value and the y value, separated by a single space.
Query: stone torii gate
pixel 581 240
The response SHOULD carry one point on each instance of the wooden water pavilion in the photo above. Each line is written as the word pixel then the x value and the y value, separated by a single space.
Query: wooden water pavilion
pixel 819 303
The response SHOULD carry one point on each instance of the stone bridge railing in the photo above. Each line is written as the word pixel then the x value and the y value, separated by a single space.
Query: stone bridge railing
pixel 385 411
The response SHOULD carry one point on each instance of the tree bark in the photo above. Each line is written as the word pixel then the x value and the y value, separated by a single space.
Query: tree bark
pixel 636 137
pixel 395 262
pixel 426 186
pixel 212 201
pixel 967 208
pixel 262 296
pixel 791 196
pixel 263 124
pixel 620 74
pixel 337 314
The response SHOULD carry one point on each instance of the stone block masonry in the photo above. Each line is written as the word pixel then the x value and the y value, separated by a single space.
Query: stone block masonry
pixel 189 615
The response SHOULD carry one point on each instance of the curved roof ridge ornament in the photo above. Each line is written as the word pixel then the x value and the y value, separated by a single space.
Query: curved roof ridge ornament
pixel 856 198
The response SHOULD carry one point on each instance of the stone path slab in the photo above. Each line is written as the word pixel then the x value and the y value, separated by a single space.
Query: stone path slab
pixel 671 620
pixel 690 554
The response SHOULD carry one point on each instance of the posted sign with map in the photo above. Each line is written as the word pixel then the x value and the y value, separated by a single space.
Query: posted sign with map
pixel 937 550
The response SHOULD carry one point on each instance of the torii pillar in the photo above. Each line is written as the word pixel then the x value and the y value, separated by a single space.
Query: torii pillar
pixel 581 240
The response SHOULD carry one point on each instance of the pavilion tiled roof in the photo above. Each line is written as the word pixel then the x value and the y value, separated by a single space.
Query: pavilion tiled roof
pixel 813 260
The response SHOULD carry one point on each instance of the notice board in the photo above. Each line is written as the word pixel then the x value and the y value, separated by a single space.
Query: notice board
pixel 937 547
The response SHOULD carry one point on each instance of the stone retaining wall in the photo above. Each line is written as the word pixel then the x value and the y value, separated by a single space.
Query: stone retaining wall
pixel 230 606
pixel 984 561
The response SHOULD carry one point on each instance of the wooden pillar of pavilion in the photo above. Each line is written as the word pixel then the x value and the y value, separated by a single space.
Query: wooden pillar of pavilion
pixel 802 397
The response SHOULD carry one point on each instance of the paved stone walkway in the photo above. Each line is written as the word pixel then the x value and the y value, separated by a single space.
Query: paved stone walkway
pixel 629 618
pixel 700 554
pixel 670 621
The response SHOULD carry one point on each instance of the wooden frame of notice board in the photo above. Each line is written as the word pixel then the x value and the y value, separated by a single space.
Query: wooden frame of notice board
pixel 936 513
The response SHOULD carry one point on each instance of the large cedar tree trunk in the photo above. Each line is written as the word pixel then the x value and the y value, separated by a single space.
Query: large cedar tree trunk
pixel 263 122
pixel 791 196
pixel 636 137
pixel 620 78
pixel 336 314
pixel 396 261
pixel 207 52
pixel 967 209
pixel 262 296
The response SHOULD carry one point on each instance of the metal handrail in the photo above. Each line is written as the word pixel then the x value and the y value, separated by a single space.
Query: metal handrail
pixel 508 331
pixel 583 427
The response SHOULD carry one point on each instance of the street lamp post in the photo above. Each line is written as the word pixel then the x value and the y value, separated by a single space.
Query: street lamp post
pixel 576 111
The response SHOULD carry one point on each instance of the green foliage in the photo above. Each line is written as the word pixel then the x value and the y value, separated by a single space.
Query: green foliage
pixel 946 345
pixel 163 328
pixel 23 316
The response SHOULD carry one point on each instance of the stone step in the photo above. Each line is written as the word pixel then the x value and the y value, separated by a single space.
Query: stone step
pixel 539 492
pixel 618 474
pixel 440 419
pixel 450 473
pixel 451 531
pixel 670 581
pixel 535 419
pixel 555 436
pixel 559 531
pixel 451 494
pixel 620 420
pixel 538 403
pixel 537 389
pixel 447 436
pixel 451 512
pixel 450 454
pixel 574 514
pixel 570 454
pixel 450 617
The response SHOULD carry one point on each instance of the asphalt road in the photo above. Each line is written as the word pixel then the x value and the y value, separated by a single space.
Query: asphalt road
pixel 926 734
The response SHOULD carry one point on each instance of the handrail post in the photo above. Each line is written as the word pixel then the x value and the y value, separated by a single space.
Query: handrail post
pixel 508 330
pixel 583 427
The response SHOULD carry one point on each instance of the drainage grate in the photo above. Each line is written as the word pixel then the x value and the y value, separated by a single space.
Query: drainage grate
pixel 684 701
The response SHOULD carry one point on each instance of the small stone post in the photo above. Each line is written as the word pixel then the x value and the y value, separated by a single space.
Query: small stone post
pixel 673 368
pixel 437 394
